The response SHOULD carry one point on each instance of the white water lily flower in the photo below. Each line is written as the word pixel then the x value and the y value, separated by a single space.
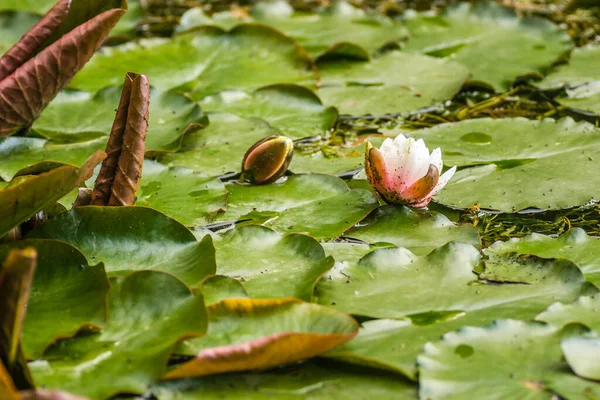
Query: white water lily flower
pixel 403 172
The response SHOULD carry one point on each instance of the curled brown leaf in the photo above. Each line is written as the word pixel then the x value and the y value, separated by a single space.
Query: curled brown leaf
pixel 16 276
pixel 119 177
pixel 29 81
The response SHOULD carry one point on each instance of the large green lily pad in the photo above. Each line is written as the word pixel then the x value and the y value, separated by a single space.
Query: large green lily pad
pixel 270 265
pixel 128 239
pixel 220 287
pixel 394 283
pixel 319 205
pixel 148 312
pixel 293 109
pixel 495 43
pixel 310 380
pixel 76 116
pixel 337 24
pixel 574 245
pixel 67 294
pixel 207 61
pixel 584 310
pixel 580 78
pixel 220 147
pixel 190 197
pixel 23 155
pixel 13 25
pixel 247 334
pixel 419 231
pixel 554 170
pixel 496 355
pixel 391 83
pixel 34 6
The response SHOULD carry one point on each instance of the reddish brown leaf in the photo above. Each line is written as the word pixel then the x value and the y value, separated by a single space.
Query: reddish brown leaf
pixel 16 277
pixel 32 85
pixel 30 43
pixel 106 177
pixel 131 159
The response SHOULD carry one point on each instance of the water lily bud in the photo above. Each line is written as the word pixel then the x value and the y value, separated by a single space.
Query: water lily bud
pixel 403 172
pixel 267 160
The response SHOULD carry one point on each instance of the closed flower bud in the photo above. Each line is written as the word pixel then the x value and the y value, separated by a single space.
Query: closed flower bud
pixel 403 172
pixel 267 160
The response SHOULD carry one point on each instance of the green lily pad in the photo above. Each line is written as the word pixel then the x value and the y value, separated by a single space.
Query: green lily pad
pixel 220 287
pixel 295 110
pixel 207 61
pixel 196 17
pixel 584 310
pixel 312 380
pixel 67 295
pixel 128 239
pixel 148 312
pixel 338 23
pixel 580 77
pixel 76 116
pixel 574 245
pixel 183 194
pixel 391 83
pixel 319 205
pixel 496 355
pixel 394 283
pixel 416 230
pixel 21 201
pixel 270 265
pixel 13 25
pixel 582 354
pixel 34 6
pixel 23 156
pixel 247 334
pixel 495 43
pixel 560 157
pixel 345 251
pixel 221 146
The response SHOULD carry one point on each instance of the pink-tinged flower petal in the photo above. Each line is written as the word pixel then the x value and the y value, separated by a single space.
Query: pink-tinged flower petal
pixel 416 162
pixel 421 188
pixel 440 185
pixel 436 159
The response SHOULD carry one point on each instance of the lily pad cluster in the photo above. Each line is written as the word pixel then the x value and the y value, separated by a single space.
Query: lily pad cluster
pixel 310 286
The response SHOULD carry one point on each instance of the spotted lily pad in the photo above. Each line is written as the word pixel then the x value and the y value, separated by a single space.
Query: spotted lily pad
pixel 580 78
pixel 295 110
pixel 67 295
pixel 584 310
pixel 128 239
pixel 553 170
pixel 338 24
pixel 183 194
pixel 467 33
pixel 270 265
pixel 495 353
pixel 207 61
pixel 320 382
pixel 575 245
pixel 391 83
pixel 249 334
pixel 132 350
pixel 394 283
pixel 76 116
pixel 221 146
pixel 417 230
pixel 319 205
